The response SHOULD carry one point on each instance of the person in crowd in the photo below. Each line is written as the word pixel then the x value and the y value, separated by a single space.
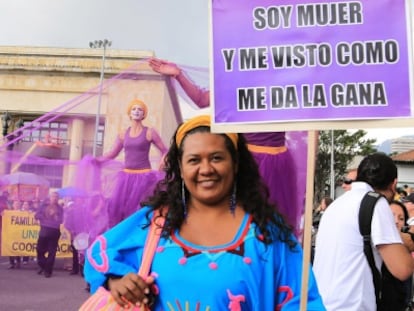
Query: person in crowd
pixel 75 221
pixel 400 214
pixel 35 205
pixel 400 195
pixel 349 179
pixel 15 261
pixel 4 201
pixel 269 150
pixel 401 295
pixel 137 179
pixel 401 218
pixel 323 205
pixel 16 205
pixel 407 189
pixel 408 202
pixel 4 205
pixel 223 242
pixel 341 268
pixel 26 207
pixel 325 202
pixel 97 221
pixel 50 216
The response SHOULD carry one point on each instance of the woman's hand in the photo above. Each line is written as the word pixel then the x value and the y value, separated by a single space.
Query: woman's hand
pixel 130 289
pixel 164 67
pixel 407 237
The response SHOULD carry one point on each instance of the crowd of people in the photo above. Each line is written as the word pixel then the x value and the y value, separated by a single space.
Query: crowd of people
pixel 16 205
pixel 340 263
pixel 74 213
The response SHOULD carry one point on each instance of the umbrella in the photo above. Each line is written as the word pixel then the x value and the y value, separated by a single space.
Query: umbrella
pixel 25 186
pixel 72 192
pixel 23 178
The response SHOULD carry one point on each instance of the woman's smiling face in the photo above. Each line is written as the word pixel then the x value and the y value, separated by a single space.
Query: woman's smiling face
pixel 207 168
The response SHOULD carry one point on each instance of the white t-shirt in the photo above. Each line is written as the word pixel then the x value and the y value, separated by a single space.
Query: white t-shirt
pixel 341 269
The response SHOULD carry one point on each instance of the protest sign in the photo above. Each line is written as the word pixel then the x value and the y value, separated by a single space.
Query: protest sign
pixel 285 62
pixel 20 231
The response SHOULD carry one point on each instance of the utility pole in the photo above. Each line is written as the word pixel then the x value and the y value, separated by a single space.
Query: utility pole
pixel 98 44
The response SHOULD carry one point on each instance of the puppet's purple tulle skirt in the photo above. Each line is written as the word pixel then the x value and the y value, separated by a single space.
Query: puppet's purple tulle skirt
pixel 122 190
pixel 130 190
pixel 279 174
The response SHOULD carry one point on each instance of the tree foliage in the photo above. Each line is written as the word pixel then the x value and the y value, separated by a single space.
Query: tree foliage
pixel 346 147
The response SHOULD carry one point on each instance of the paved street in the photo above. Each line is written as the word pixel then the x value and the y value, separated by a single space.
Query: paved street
pixel 24 290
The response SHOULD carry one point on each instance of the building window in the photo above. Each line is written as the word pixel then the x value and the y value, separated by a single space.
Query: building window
pixel 52 132
pixel 101 132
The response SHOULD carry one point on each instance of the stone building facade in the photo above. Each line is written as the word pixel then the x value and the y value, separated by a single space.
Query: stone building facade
pixel 64 84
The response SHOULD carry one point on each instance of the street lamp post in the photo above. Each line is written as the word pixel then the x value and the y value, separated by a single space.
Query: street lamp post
pixel 98 44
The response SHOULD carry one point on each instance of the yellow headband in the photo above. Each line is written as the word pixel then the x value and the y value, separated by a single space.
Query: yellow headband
pixel 137 102
pixel 203 120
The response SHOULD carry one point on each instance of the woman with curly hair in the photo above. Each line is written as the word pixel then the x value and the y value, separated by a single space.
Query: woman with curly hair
pixel 275 160
pixel 223 245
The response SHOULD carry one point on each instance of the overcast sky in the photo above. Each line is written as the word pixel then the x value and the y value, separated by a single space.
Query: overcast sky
pixel 176 30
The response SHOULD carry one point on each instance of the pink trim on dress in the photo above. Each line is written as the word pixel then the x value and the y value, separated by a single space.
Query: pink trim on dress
pixel 289 296
pixel 232 246
pixel 234 304
pixel 104 267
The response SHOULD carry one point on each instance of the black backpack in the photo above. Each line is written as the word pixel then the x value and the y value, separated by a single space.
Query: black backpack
pixel 390 292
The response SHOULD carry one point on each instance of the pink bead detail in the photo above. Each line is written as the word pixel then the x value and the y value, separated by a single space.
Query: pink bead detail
pixel 213 265
pixel 261 237
pixel 247 260
pixel 182 261
pixel 160 249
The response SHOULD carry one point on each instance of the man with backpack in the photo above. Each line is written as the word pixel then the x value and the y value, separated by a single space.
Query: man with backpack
pixel 343 273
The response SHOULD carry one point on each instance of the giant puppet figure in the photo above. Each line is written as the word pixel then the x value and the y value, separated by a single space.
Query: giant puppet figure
pixel 136 180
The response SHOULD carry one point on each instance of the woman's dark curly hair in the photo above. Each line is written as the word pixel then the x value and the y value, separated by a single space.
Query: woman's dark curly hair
pixel 252 194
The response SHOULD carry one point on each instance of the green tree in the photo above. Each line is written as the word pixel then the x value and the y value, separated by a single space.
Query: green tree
pixel 346 146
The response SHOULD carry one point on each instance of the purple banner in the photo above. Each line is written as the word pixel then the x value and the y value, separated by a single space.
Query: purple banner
pixel 280 61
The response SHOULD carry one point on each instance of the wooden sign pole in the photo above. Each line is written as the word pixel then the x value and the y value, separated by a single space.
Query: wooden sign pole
pixel 307 231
